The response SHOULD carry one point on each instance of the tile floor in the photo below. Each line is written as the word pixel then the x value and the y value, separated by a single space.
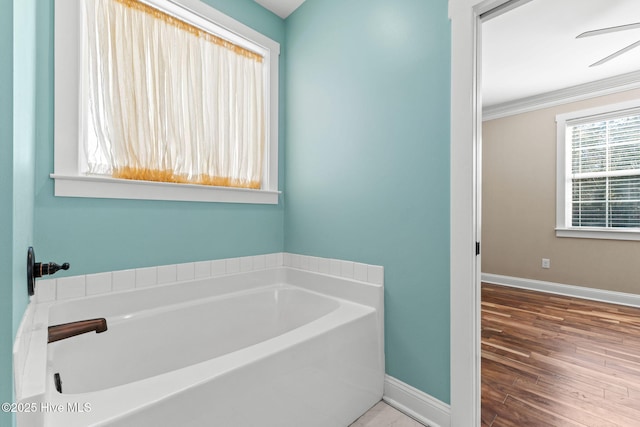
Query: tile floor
pixel 383 415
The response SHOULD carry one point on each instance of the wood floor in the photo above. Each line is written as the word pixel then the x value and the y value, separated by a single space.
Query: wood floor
pixel 549 360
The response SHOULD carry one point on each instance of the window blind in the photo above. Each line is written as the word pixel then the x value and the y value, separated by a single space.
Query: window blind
pixel 605 170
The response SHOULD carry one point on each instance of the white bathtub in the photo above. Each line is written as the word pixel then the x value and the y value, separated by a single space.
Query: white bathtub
pixel 278 347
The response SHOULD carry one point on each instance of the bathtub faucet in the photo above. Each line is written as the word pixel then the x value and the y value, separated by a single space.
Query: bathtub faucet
pixel 68 330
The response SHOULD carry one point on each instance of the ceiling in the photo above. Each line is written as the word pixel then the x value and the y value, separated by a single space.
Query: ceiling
pixel 282 8
pixel 532 49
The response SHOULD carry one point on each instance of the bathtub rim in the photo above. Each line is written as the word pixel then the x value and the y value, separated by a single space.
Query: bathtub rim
pixel 30 350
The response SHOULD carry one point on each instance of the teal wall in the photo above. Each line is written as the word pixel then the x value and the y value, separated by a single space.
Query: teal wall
pixel 96 235
pixel 368 162
pixel 365 84
pixel 6 204
pixel 24 142
pixel 17 145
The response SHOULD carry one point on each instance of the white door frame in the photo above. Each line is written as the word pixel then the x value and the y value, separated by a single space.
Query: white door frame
pixel 466 122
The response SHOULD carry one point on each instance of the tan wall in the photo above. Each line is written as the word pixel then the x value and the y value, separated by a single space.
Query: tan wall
pixel 519 208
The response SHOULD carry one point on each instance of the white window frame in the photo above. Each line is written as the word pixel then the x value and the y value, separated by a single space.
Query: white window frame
pixel 68 176
pixel 563 177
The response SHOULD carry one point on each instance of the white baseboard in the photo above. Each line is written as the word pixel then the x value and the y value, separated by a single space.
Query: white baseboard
pixel 418 405
pixel 613 297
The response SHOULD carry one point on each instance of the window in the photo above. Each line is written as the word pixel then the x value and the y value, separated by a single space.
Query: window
pixel 171 124
pixel 599 173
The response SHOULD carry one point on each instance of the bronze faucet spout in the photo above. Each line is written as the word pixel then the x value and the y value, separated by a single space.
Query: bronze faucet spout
pixel 68 330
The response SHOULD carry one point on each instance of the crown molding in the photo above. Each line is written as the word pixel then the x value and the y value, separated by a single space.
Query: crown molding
pixel 580 92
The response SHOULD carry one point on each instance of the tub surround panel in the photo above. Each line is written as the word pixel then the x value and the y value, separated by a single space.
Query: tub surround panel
pixel 167 274
pixel 71 287
pixel 123 280
pixel 232 265
pixel 202 269
pixel 47 290
pixel 146 277
pixel 185 272
pixel 98 283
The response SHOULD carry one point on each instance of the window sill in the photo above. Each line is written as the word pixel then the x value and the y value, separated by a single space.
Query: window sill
pixel 112 188
pixel 598 233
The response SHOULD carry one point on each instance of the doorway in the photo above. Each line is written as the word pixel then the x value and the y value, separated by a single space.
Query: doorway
pixel 508 11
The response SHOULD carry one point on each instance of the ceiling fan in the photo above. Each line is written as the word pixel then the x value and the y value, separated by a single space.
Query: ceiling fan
pixel 612 30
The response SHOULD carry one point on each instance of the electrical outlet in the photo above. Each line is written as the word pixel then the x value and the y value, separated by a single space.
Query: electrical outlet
pixel 546 263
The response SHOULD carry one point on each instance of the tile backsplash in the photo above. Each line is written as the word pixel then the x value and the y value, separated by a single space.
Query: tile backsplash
pixel 335 267
pixel 123 280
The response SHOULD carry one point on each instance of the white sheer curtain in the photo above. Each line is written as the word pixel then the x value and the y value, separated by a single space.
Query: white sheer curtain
pixel 167 101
